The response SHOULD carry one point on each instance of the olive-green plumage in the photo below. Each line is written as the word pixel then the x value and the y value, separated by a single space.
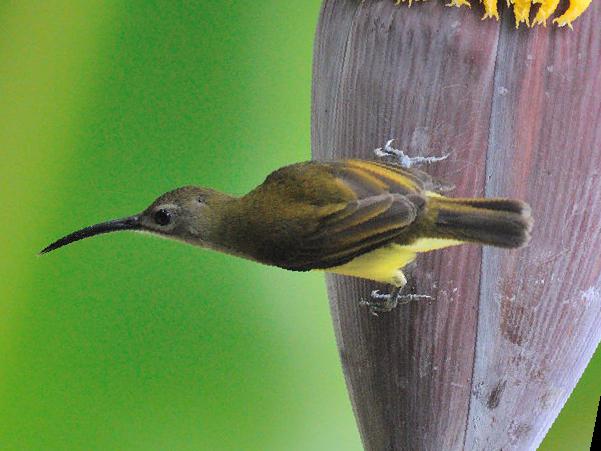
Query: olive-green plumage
pixel 343 216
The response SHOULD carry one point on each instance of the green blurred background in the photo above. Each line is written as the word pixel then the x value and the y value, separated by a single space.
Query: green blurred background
pixel 127 342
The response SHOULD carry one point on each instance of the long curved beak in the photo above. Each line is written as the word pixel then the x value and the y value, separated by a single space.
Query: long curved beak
pixel 130 223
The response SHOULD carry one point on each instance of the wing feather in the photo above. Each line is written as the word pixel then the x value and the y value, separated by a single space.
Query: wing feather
pixel 359 212
pixel 385 201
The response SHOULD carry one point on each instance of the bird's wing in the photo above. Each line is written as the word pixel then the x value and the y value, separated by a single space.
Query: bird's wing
pixel 376 203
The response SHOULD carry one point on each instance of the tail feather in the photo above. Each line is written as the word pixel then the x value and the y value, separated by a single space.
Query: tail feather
pixel 496 221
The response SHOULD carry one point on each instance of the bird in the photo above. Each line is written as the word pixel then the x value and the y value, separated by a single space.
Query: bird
pixel 360 218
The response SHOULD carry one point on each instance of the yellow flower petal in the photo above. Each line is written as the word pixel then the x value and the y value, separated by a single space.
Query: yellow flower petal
pixel 546 8
pixel 521 9
pixel 458 3
pixel 490 9
pixel 576 8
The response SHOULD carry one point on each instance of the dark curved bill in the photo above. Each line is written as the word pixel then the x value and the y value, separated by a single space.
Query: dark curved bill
pixel 130 223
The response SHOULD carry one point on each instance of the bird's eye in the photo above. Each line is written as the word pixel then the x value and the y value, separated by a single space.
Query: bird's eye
pixel 162 217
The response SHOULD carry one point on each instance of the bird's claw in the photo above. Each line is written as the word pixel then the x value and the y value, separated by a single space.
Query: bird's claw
pixel 384 303
pixel 407 298
pixel 403 159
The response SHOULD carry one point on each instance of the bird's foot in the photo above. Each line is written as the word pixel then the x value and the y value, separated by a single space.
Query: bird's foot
pixel 403 159
pixel 380 303
pixel 384 303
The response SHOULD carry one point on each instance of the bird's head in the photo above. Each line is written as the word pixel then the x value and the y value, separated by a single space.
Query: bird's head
pixel 186 214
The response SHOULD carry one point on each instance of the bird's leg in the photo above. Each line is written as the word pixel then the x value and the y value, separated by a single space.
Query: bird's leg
pixel 403 159
pixel 385 302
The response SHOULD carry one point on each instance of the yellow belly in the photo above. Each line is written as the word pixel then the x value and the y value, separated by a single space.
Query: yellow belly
pixel 385 264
